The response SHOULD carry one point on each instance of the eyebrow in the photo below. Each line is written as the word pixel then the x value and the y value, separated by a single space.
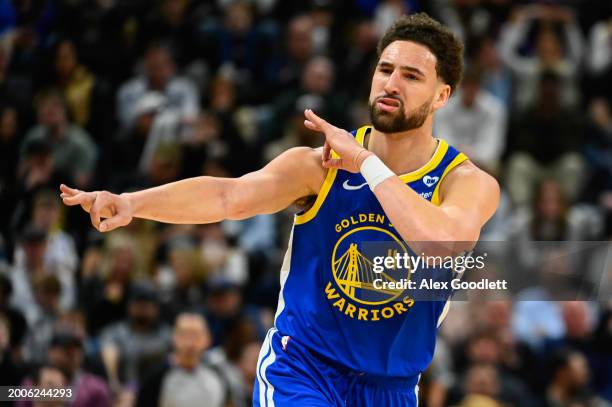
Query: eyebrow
pixel 408 68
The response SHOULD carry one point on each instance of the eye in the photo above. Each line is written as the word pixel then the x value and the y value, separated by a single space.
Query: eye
pixel 385 70
pixel 411 77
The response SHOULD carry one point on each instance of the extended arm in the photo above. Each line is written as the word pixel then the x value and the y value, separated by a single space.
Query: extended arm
pixel 292 175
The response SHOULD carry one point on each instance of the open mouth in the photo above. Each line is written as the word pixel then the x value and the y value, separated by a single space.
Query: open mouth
pixel 388 104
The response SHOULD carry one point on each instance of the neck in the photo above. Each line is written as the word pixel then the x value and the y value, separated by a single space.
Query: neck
pixel 57 132
pixel 558 392
pixel 393 148
pixel 185 362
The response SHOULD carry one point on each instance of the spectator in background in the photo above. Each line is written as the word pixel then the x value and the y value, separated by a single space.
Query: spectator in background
pixel 130 142
pixel 32 266
pixel 474 121
pixel 160 76
pixel 236 128
pixel 599 58
pixel 9 159
pixel 107 277
pixel 46 376
pixel 12 372
pixel 549 54
pixel 223 307
pixel 550 218
pixel 545 141
pixel 357 60
pixel 182 278
pixel 60 255
pixel 65 353
pixel 164 126
pixel 234 359
pixel 568 386
pixel 247 364
pixel 173 23
pixel 132 347
pixel 15 88
pixel 496 77
pixel 183 380
pixel 225 261
pixel 316 88
pixel 165 166
pixel 42 318
pixel 598 153
pixel 75 81
pixel 485 348
pixel 61 252
pixel 482 385
pixel 73 150
pixel 239 42
pixel 16 323
pixel 299 50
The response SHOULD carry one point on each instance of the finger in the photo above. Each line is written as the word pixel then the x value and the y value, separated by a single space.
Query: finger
pixel 78 199
pixel 333 163
pixel 67 190
pixel 113 223
pixel 311 126
pixel 312 116
pixel 326 151
pixel 96 209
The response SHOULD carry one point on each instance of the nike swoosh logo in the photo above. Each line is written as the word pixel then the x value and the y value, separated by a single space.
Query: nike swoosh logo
pixel 348 187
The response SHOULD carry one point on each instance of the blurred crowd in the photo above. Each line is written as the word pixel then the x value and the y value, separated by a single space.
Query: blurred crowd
pixel 128 94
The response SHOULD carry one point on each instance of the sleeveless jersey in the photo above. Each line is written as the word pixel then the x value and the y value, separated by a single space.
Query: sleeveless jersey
pixel 327 301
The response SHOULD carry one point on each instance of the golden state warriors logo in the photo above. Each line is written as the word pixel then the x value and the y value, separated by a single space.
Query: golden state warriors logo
pixel 354 274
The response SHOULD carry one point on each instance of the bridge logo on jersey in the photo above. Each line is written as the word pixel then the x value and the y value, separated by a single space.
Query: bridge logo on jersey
pixel 353 291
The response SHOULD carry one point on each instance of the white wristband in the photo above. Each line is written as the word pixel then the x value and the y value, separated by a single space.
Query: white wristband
pixel 375 171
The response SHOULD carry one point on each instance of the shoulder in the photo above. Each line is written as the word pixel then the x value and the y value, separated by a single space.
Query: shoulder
pixel 136 84
pixel 467 173
pixel 79 136
pixel 470 184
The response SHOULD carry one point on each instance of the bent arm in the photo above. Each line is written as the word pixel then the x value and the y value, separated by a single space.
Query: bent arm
pixel 469 197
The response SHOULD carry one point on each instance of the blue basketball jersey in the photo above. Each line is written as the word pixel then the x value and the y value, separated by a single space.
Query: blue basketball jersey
pixel 327 300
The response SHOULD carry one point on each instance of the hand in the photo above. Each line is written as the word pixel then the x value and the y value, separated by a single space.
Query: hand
pixel 351 154
pixel 100 204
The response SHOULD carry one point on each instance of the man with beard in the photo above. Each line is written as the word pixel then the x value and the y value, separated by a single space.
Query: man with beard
pixel 337 339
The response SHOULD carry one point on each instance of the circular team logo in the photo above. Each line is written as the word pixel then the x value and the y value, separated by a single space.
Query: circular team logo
pixel 354 269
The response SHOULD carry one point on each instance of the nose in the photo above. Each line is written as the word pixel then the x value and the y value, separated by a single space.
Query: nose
pixel 392 84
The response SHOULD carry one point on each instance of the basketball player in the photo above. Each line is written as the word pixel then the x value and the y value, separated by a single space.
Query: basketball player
pixel 336 340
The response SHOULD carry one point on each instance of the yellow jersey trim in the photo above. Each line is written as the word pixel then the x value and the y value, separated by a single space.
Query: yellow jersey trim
pixel 435 198
pixel 360 136
pixel 433 163
pixel 327 184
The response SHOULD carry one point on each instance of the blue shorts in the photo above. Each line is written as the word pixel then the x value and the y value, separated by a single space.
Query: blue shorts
pixel 288 375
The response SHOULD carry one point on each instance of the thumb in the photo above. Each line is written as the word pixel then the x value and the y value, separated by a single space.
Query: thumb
pixel 114 222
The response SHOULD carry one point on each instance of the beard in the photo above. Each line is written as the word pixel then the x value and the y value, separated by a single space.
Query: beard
pixel 398 121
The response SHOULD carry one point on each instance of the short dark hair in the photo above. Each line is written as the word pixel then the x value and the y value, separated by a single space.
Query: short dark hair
pixel 440 40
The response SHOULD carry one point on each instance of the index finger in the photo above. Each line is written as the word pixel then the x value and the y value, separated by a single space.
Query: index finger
pixel 312 116
pixel 66 189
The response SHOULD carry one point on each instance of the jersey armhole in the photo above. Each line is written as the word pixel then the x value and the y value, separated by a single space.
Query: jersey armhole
pixel 435 198
pixel 309 214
